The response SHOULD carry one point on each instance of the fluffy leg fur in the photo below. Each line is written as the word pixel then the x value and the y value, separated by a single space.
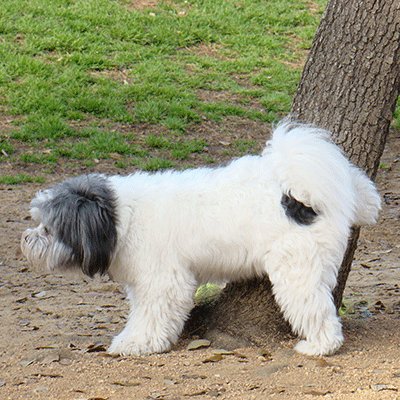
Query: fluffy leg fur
pixel 159 307
pixel 304 293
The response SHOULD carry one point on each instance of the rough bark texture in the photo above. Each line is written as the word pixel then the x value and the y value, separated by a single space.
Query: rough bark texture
pixel 350 84
pixel 351 80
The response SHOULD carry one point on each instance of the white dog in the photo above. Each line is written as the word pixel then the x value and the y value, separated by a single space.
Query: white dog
pixel 286 213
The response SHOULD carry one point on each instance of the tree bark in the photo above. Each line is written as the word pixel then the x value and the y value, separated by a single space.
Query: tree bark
pixel 349 86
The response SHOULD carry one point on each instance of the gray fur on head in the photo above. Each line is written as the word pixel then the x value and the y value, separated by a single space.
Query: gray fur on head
pixel 80 215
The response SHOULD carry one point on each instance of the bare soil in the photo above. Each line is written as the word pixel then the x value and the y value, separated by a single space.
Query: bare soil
pixel 54 330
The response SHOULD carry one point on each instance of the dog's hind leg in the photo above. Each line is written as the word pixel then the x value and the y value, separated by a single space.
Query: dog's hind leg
pixel 303 279
pixel 160 304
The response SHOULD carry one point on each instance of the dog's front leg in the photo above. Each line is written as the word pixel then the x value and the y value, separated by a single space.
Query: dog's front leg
pixel 160 306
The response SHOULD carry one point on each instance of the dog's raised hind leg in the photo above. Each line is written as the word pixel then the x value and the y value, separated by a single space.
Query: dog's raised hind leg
pixel 302 285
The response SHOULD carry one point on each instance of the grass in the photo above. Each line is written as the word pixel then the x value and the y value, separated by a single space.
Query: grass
pixel 80 78
pixel 20 178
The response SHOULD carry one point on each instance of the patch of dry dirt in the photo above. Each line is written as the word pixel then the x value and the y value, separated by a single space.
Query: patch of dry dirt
pixel 142 4
pixel 54 331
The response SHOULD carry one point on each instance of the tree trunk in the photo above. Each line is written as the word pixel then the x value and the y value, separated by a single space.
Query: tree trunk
pixel 349 86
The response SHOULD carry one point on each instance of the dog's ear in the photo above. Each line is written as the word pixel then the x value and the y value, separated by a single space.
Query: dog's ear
pixel 82 214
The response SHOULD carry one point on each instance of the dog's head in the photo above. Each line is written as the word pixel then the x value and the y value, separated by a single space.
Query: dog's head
pixel 76 226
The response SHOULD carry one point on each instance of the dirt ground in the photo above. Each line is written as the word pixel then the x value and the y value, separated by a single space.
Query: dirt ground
pixel 54 331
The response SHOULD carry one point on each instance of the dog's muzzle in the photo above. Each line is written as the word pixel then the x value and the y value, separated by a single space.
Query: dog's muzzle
pixel 34 246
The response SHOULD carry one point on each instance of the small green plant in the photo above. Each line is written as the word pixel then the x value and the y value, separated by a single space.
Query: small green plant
pixel 207 293
pixel 384 166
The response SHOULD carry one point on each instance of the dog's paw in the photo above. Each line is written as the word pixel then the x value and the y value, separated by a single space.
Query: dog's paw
pixel 317 349
pixel 127 349
pixel 126 346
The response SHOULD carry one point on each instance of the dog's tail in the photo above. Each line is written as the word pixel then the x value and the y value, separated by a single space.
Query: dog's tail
pixel 369 201
pixel 315 176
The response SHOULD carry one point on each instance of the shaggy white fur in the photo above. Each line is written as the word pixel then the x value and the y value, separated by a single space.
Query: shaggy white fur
pixel 176 230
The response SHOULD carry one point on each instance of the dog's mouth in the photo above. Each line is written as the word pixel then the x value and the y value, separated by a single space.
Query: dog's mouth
pixel 34 245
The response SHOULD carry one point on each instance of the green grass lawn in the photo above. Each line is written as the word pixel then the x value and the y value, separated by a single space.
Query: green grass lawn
pixel 93 80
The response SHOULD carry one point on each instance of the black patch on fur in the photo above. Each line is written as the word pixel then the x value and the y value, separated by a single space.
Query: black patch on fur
pixel 297 211
pixel 82 213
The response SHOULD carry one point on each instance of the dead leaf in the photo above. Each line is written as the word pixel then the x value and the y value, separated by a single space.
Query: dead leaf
pixel 108 355
pixel 194 376
pixel 223 352
pixel 266 354
pixel 126 384
pixel 27 361
pixel 240 355
pixel 39 375
pixel 39 294
pixel 314 392
pixel 382 251
pixel 96 348
pixel 212 359
pixel 200 393
pixel 30 329
pixel 367 266
pixel 198 344
pixel 98 327
pixel 155 396
pixel 216 393
pixel 381 387
pixel 51 357
pixel 22 300
pixel 379 306
pixel 2 383
pixel 169 382
pixel 98 398
pixel 278 390
pixel 322 363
